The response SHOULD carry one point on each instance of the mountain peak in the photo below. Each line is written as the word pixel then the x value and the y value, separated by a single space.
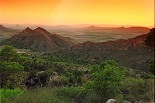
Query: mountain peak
pixel 27 30
pixel 92 26
pixel 39 39
pixel 41 30
pixel 1 26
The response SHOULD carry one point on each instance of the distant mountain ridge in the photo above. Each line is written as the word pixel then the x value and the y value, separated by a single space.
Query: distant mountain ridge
pixel 39 39
pixel 2 28
pixel 133 29
pixel 132 53
pixel 136 41
pixel 139 40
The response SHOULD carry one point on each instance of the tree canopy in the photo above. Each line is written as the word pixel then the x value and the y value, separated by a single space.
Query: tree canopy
pixel 10 62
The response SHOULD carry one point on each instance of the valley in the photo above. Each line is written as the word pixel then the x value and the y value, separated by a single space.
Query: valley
pixel 82 65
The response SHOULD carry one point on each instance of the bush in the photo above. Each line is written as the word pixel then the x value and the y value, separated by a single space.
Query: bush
pixel 152 65
pixel 107 80
pixel 147 75
pixel 91 97
pixel 8 95
pixel 75 93
pixel 138 89
pixel 59 81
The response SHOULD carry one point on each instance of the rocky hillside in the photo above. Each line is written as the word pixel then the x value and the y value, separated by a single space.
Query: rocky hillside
pixel 2 28
pixel 132 53
pixel 118 44
pixel 39 39
pixel 6 33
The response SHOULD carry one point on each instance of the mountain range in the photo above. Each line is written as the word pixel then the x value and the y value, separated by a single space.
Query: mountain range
pixel 131 53
pixel 39 39
pixel 133 29
pixel 2 28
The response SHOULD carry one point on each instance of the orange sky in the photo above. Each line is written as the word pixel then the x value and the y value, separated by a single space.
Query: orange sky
pixel 61 12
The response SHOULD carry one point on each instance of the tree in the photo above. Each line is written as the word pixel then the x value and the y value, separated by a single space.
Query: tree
pixel 9 63
pixel 8 54
pixel 152 65
pixel 107 81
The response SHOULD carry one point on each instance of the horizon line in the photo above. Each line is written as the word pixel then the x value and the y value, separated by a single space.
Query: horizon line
pixel 99 25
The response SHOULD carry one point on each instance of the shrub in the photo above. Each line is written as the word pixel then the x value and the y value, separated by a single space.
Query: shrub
pixel 107 80
pixel 59 81
pixel 138 89
pixel 75 93
pixel 152 64
pixel 91 97
pixel 8 95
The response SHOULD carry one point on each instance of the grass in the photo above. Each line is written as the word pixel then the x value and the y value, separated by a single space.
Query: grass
pixel 138 89
pixel 42 95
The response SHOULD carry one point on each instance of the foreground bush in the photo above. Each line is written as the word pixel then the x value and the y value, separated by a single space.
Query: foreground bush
pixel 8 95
pixel 75 93
pixel 138 89
pixel 107 80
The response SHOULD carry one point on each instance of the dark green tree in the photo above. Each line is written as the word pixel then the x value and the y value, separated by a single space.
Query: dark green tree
pixel 8 54
pixel 9 63
pixel 152 65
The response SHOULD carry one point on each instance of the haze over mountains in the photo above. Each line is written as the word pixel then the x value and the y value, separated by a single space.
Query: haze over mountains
pixel 132 29
pixel 2 28
pixel 101 34
pixel 6 32
pixel 44 40
pixel 130 52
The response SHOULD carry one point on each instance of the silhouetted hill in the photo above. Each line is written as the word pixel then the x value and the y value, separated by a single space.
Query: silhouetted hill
pixel 119 29
pixel 132 29
pixel 39 39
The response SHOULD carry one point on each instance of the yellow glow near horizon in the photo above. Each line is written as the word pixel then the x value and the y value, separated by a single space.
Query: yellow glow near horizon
pixel 62 12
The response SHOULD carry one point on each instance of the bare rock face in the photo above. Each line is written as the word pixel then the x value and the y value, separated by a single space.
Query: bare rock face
pixel 40 39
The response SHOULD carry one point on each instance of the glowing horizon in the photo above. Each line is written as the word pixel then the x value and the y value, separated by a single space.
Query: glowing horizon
pixel 70 12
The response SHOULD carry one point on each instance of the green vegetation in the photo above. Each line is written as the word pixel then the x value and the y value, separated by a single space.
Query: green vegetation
pixel 143 87
pixel 107 80
pixel 44 95
pixel 10 62
pixel 152 64
pixel 60 80
pixel 8 95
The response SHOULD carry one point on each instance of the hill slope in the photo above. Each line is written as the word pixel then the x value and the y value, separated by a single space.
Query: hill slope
pixel 130 53
pixel 39 39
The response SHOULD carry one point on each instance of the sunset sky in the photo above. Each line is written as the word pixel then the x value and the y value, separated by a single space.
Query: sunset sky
pixel 69 12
